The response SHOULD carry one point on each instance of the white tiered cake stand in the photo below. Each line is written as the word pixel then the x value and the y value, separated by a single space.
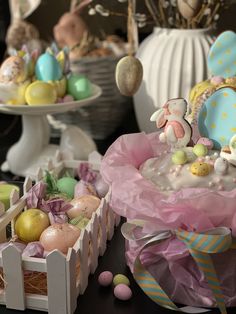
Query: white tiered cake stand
pixel 33 149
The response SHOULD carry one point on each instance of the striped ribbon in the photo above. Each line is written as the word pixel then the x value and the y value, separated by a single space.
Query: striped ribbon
pixel 200 247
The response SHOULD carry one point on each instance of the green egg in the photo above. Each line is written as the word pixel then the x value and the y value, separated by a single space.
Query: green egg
pixel 179 157
pixel 119 278
pixel 200 150
pixel 67 185
pixel 79 86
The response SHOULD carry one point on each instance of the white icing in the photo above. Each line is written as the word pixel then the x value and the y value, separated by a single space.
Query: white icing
pixel 167 176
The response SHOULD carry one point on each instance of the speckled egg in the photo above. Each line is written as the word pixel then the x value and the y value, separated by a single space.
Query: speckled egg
pixel 40 93
pixel 200 150
pixel 122 292
pixel 13 69
pixel 200 169
pixel 47 68
pixel 121 279
pixel 105 278
pixel 86 205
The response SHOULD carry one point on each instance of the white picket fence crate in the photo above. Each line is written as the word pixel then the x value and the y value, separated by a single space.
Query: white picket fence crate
pixel 66 276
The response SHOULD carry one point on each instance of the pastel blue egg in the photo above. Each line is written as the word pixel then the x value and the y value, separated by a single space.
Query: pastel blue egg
pixel 221 60
pixel 47 68
pixel 216 119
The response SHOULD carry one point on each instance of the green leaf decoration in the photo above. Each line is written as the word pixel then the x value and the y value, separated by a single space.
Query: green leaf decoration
pixel 51 182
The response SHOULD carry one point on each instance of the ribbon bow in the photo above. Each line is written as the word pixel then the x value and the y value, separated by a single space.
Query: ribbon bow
pixel 200 246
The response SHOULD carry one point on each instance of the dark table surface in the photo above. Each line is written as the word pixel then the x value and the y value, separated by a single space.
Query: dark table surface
pixel 95 299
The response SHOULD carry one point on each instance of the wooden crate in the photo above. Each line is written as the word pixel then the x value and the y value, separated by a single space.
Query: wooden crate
pixel 66 276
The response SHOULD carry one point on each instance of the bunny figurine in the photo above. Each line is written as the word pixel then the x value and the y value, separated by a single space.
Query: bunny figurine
pixel 177 131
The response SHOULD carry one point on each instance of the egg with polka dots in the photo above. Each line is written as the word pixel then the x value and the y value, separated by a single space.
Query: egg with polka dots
pixel 216 119
pixel 221 59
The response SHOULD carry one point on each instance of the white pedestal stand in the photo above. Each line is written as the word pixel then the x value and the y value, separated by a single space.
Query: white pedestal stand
pixel 33 149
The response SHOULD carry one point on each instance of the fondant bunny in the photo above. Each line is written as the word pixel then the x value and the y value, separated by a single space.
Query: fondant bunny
pixel 177 131
pixel 229 152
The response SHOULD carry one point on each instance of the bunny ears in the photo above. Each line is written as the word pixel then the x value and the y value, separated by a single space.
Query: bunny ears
pixel 77 6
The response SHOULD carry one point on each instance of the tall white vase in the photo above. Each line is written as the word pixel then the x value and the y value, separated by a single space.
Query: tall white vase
pixel 174 60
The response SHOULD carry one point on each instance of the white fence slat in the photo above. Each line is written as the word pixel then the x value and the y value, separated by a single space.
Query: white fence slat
pixel 93 232
pixel 117 220
pixel 13 275
pixel 58 156
pixel 83 259
pixel 27 185
pixel 12 212
pixel 36 302
pixel 34 264
pixel 39 174
pixel 103 227
pixel 110 222
pixel 2 209
pixel 71 281
pixel 14 197
pixel 56 283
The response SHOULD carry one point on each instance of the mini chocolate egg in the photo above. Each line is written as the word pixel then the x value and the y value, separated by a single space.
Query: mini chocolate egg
pixel 86 205
pixel 179 157
pixel 13 69
pixel 200 150
pixel 121 279
pixel 67 185
pixel 189 8
pixel 206 141
pixel 40 93
pixel 79 86
pixel 200 169
pixel 47 68
pixel 129 75
pixel 122 292
pixel 105 278
pixel 221 166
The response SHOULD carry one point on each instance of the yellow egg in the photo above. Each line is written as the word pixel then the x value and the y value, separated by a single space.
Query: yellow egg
pixel 201 169
pixel 60 86
pixel 40 93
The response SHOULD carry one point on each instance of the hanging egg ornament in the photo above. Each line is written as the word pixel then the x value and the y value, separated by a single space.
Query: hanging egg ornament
pixel 48 68
pixel 129 74
pixel 189 8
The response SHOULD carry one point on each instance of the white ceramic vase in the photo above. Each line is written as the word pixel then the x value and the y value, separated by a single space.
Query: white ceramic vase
pixel 174 60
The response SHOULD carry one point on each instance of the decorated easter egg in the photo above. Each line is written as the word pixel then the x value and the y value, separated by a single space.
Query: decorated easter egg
pixel 67 185
pixel 40 93
pixel 216 119
pixel 200 169
pixel 60 86
pixel 47 68
pixel 86 205
pixel 189 8
pixel 79 86
pixel 221 58
pixel 129 74
pixel 14 70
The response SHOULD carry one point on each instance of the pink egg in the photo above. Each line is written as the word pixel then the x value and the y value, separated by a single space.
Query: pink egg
pixel 122 292
pixel 68 98
pixel 86 205
pixel 105 278
pixel 216 80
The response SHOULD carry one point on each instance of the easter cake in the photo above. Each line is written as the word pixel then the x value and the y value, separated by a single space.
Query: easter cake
pixel 177 189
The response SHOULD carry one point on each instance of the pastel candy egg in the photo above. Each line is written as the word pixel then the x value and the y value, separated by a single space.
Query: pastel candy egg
pixel 86 205
pixel 221 166
pixel 200 150
pixel 122 292
pixel 179 157
pixel 105 278
pixel 216 80
pixel 47 68
pixel 67 185
pixel 79 86
pixel 129 74
pixel 120 279
pixel 40 93
pixel 200 169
